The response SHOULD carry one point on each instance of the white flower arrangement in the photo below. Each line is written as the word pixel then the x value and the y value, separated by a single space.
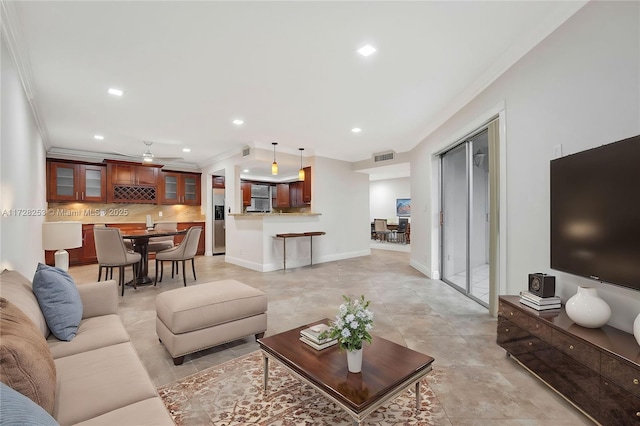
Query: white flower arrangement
pixel 352 324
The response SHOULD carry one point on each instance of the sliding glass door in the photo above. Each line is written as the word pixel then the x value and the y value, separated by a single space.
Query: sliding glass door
pixel 464 217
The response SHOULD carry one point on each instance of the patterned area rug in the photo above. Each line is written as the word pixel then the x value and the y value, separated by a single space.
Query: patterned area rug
pixel 231 394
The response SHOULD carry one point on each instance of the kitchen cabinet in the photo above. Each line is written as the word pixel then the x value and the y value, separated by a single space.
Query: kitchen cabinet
pixel 76 182
pixel 282 195
pixel 132 183
pixel 186 225
pixel 81 255
pixel 87 253
pixel 179 188
pixel 245 187
pixel 300 191
pixel 218 181
pixel 295 194
pixel 133 174
pixel 306 186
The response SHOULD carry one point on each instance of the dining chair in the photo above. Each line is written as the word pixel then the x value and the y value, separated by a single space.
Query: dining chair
pixel 157 244
pixel 112 252
pixel 401 232
pixel 186 250
pixel 380 228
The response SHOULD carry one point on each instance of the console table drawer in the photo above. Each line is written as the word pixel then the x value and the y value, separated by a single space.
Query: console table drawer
pixel 577 350
pixel 512 338
pixel 617 406
pixel 540 329
pixel 621 374
pixel 517 317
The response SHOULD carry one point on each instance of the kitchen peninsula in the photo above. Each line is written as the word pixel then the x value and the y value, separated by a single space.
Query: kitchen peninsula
pixel 255 245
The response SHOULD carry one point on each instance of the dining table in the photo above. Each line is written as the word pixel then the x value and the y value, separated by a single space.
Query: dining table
pixel 140 241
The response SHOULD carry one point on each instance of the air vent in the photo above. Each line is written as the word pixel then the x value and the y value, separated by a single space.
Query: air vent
pixel 384 156
pixel 246 151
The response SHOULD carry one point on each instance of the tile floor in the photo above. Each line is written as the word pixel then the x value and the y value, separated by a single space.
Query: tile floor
pixel 480 281
pixel 472 378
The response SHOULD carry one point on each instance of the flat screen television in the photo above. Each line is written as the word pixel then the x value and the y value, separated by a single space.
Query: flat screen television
pixel 595 213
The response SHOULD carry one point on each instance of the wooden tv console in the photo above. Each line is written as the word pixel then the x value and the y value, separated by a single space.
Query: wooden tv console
pixel 597 370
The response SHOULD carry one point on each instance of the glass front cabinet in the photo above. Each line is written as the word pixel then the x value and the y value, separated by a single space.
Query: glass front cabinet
pixel 180 188
pixel 76 182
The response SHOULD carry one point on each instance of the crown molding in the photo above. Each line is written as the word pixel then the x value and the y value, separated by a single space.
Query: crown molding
pixel 12 36
pixel 99 157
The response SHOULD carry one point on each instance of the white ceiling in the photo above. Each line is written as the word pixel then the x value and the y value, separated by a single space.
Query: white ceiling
pixel 288 69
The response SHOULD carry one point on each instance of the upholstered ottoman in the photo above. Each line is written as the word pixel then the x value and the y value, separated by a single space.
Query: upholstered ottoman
pixel 190 319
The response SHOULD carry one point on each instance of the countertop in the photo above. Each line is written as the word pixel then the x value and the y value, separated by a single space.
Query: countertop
pixel 272 214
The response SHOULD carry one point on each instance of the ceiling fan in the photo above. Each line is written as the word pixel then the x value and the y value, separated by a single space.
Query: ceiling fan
pixel 148 157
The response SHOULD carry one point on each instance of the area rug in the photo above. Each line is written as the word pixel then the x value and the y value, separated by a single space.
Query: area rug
pixel 231 394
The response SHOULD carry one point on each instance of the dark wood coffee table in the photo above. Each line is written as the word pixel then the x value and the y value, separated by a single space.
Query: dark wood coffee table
pixel 388 369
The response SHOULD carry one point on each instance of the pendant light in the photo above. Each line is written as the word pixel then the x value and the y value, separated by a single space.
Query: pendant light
pixel 301 171
pixel 274 165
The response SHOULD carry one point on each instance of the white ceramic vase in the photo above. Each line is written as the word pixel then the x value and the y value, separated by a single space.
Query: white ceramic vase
pixel 354 361
pixel 587 309
pixel 636 329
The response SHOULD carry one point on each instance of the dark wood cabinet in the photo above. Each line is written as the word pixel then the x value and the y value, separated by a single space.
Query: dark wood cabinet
pixel 87 253
pixel 180 188
pixel 306 186
pixel 245 187
pixel 132 183
pixel 69 181
pixel 598 370
pixel 218 181
pixel 300 191
pixel 295 194
pixel 283 195
pixel 81 255
pixel 186 225
pixel 133 174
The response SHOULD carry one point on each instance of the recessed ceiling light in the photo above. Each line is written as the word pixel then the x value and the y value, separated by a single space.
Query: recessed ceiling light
pixel 186 149
pixel 98 137
pixel 356 130
pixel 116 92
pixel 238 122
pixel 245 171
pixel 367 50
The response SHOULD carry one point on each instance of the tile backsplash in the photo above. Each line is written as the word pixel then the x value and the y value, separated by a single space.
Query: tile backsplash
pixel 122 213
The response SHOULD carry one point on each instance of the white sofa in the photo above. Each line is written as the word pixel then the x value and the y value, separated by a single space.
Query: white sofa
pixel 99 378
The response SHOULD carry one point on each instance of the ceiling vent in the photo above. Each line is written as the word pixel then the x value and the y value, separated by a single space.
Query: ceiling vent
pixel 384 156
pixel 246 151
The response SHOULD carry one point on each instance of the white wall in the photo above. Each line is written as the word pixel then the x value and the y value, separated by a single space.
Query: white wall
pixel 339 194
pixel 22 176
pixel 382 197
pixel 580 87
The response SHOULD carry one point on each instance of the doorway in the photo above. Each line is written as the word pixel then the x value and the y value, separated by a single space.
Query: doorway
pixel 464 217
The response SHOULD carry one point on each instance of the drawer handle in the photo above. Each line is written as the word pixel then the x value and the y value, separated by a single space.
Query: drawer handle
pixel 530 344
pixel 511 313
pixel 636 381
pixel 638 414
pixel 571 347
pixel 506 330
pixel 537 325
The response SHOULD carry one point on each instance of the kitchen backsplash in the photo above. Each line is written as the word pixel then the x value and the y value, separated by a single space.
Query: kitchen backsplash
pixel 122 213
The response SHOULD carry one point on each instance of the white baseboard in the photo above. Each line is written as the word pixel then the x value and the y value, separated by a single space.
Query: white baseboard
pixel 421 268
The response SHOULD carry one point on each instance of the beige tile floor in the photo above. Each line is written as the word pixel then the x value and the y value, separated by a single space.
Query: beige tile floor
pixel 473 379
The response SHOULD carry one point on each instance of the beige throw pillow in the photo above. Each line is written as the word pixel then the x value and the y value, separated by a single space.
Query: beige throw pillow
pixel 26 364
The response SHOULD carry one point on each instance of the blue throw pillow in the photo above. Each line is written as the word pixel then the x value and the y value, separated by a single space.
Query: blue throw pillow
pixel 59 301
pixel 18 410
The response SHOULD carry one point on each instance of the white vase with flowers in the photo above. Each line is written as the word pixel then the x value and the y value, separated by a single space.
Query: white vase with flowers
pixel 351 328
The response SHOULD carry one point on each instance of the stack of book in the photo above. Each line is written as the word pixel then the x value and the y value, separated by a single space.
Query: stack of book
pixel 540 303
pixel 311 336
